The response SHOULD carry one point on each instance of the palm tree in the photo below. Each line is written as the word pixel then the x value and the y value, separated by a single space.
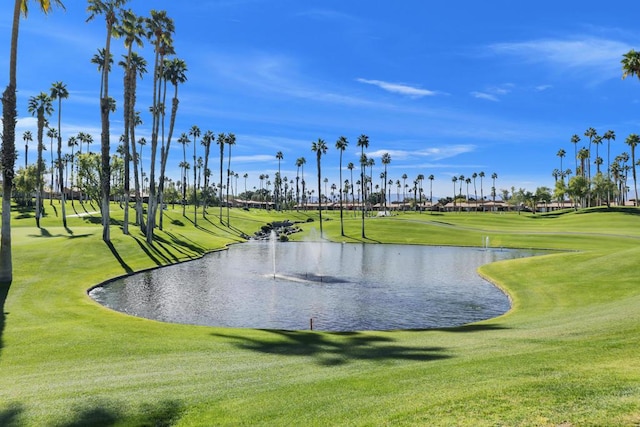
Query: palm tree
pixel 386 159
pixel 175 72
pixel 363 142
pixel 107 8
pixel 574 140
pixel 609 135
pixel 591 134
pixel 431 178
pixel 40 106
pixel 404 187
pixel 298 164
pixel 494 176
pixel 221 141
pixel 475 190
pixel 8 149
pixel 51 134
pixel 160 29
pixel 454 179
pixel 481 175
pixel 320 148
pixel 303 162
pixel 341 145
pixel 632 141
pixel 72 142
pixel 27 137
pixel 230 140
pixel 195 133
pixel 184 140
pixel 597 140
pixel 142 142
pixel 279 156
pixel 59 91
pixel 561 153
pixel 351 166
pixel 583 155
pixel 131 29
pixel 206 140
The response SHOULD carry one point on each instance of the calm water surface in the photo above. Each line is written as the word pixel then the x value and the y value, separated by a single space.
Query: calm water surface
pixel 342 287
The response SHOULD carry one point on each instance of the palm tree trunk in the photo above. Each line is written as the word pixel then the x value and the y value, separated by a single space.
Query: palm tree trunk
pixel 9 115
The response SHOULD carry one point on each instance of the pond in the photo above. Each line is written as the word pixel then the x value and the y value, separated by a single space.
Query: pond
pixel 327 286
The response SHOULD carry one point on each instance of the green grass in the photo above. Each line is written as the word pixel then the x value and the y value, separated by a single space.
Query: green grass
pixel 566 354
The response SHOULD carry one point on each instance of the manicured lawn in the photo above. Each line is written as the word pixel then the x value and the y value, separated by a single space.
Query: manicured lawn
pixel 566 354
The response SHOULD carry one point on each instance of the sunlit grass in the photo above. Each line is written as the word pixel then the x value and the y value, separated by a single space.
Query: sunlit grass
pixel 566 354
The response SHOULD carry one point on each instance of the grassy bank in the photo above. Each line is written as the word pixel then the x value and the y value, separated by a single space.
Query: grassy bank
pixel 566 354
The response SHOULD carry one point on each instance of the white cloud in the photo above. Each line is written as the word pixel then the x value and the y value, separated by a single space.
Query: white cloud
pixel 542 88
pixel 253 159
pixel 399 88
pixel 433 153
pixel 595 55
pixel 484 95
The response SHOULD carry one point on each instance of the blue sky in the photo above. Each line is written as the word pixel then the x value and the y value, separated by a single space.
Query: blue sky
pixel 447 88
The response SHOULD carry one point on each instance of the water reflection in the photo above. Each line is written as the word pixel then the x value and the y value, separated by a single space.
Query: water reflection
pixel 354 287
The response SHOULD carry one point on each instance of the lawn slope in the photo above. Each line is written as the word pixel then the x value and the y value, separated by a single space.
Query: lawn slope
pixel 566 354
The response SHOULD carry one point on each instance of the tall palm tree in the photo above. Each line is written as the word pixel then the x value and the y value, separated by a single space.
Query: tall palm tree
pixel 574 140
pixel 481 175
pixel 298 165
pixel 454 180
pixel 142 141
pixel 184 140
pixel 72 142
pixel 109 9
pixel 341 145
pixel 320 148
pixel 8 149
pixel 632 141
pixel 222 138
pixel 195 133
pixel 350 166
pixel 230 140
pixel 431 178
pixel 303 162
pixel 206 140
pixel 386 159
pixel 174 72
pixel 51 134
pixel 404 188
pixel 597 140
pixel 591 134
pixel 59 92
pixel 561 153
pixel 160 29
pixel 40 106
pixel 494 176
pixel 363 142
pixel 609 135
pixel 27 137
pixel 475 190
pixel 279 156
pixel 131 29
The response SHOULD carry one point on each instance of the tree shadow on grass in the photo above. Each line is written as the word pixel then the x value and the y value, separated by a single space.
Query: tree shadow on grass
pixel 46 233
pixel 331 349
pixel 117 256
pixel 148 250
pixel 163 413
pixel 4 291
pixel 11 416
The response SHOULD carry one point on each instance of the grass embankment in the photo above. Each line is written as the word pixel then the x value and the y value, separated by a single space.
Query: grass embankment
pixel 566 354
